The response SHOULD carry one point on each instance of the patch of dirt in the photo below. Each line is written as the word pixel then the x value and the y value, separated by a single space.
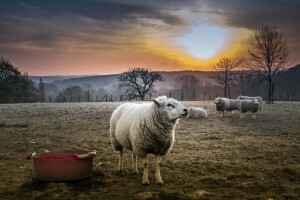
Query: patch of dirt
pixel 214 158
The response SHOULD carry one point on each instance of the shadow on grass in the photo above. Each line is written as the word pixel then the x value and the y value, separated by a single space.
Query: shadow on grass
pixel 96 180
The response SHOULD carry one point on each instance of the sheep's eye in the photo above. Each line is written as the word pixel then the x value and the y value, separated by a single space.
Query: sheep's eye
pixel 171 105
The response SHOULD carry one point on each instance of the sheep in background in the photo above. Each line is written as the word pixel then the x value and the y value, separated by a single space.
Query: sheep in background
pixel 251 98
pixel 196 113
pixel 147 128
pixel 234 104
pixel 249 105
pixel 222 104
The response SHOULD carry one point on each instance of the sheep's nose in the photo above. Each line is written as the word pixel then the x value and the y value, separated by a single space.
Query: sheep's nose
pixel 185 110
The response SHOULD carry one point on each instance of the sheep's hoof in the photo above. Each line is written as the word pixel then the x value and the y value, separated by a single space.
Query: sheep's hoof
pixel 160 182
pixel 146 183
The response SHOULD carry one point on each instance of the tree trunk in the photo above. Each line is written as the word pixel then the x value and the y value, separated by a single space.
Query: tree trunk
pixel 269 100
pixel 272 95
pixel 225 90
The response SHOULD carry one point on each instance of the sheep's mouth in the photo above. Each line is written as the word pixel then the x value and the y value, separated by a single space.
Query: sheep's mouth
pixel 185 114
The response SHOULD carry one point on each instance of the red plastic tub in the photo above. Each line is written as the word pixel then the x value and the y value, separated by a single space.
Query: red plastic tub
pixel 63 165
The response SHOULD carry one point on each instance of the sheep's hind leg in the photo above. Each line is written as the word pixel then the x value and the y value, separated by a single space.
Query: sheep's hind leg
pixel 145 175
pixel 134 163
pixel 157 169
pixel 121 161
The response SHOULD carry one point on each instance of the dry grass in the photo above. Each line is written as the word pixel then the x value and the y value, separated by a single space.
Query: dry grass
pixel 216 158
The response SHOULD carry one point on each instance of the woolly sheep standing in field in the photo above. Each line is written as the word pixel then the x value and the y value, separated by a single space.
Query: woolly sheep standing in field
pixel 251 98
pixel 249 105
pixel 222 104
pixel 196 113
pixel 144 129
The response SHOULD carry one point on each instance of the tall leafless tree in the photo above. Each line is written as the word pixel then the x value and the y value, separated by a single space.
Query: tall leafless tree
pixel 138 82
pixel 188 84
pixel 224 75
pixel 268 55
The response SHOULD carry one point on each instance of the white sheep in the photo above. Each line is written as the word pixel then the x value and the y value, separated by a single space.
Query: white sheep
pixel 234 104
pixel 147 128
pixel 222 104
pixel 196 113
pixel 249 105
pixel 250 98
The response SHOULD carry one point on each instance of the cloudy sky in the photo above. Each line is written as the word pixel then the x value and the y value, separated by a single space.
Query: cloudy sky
pixel 72 37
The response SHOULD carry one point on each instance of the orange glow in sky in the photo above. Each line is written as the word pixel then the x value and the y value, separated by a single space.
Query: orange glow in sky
pixel 108 37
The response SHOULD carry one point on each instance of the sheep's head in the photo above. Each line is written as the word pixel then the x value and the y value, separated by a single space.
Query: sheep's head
pixel 172 108
pixel 217 100
pixel 255 102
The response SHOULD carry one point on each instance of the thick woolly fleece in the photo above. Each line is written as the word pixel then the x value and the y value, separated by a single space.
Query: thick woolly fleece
pixel 250 105
pixel 234 104
pixel 222 104
pixel 252 98
pixel 196 113
pixel 142 128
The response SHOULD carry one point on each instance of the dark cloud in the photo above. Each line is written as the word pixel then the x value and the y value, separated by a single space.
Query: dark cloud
pixel 48 22
pixel 252 14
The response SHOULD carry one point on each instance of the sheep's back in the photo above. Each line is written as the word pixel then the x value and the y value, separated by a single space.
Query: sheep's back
pixel 235 104
pixel 125 122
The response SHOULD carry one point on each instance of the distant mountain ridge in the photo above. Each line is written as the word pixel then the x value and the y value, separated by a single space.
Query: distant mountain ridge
pixel 106 81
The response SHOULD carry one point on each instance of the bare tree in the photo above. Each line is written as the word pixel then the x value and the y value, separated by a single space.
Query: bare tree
pixel 188 85
pixel 87 91
pixel 74 93
pixel 138 82
pixel 268 55
pixel 224 75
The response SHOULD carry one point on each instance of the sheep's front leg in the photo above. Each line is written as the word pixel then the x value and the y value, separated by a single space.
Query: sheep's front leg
pixel 241 115
pixel 157 169
pixel 121 161
pixel 145 175
pixel 134 163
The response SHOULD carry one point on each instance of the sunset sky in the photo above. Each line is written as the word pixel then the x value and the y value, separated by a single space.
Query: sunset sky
pixel 81 37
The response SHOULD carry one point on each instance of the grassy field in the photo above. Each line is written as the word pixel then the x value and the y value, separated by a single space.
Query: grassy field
pixel 215 158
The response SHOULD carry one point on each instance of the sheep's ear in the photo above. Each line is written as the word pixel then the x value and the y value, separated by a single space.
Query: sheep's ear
pixel 156 102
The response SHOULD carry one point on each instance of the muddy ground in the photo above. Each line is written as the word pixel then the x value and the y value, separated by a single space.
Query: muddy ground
pixel 216 158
